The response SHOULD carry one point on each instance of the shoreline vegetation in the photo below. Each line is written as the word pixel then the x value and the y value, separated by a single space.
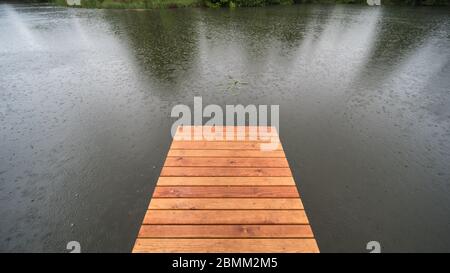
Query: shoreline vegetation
pixel 158 4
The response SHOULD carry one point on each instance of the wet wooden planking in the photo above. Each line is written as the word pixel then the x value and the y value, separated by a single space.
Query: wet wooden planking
pixel 225 181
pixel 225 203
pixel 182 161
pixel 226 231
pixel 226 191
pixel 225 195
pixel 226 245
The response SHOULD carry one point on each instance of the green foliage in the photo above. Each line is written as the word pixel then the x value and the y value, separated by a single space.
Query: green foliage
pixel 153 4
pixel 139 4
pixel 417 2
pixel 59 2
pixel 246 3
pixel 333 1
pixel 149 4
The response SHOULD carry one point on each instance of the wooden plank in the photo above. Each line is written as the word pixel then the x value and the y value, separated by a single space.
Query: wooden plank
pixel 234 135
pixel 221 145
pixel 226 245
pixel 226 153
pixel 225 195
pixel 207 136
pixel 225 127
pixel 226 231
pixel 225 217
pixel 225 192
pixel 223 135
pixel 261 130
pixel 181 161
pixel 225 181
pixel 222 171
pixel 221 203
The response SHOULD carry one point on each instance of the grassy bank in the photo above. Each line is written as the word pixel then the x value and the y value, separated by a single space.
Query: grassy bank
pixel 135 4
pixel 155 4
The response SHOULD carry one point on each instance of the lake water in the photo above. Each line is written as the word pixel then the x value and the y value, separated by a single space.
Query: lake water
pixel 86 95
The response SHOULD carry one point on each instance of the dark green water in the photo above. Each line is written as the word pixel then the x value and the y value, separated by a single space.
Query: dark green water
pixel 86 95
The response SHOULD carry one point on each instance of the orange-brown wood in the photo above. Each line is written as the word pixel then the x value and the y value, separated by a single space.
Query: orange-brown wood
pixel 225 195
pixel 224 171
pixel 226 231
pixel 221 145
pixel 206 136
pixel 225 217
pixel 182 161
pixel 226 153
pixel 247 245
pixel 218 136
pixel 225 203
pixel 225 130
pixel 225 181
pixel 226 191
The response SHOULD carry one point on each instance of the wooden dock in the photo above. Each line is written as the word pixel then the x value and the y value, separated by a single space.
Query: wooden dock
pixel 225 196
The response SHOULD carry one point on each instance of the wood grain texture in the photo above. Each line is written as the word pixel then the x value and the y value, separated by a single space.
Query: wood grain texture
pixel 229 203
pixel 206 136
pixel 225 217
pixel 221 145
pixel 225 195
pixel 226 153
pixel 224 171
pixel 181 161
pixel 224 135
pixel 226 245
pixel 225 181
pixel 226 231
pixel 225 192
pixel 224 130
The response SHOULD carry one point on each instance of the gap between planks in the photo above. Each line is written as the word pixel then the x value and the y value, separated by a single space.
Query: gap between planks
pixel 225 196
